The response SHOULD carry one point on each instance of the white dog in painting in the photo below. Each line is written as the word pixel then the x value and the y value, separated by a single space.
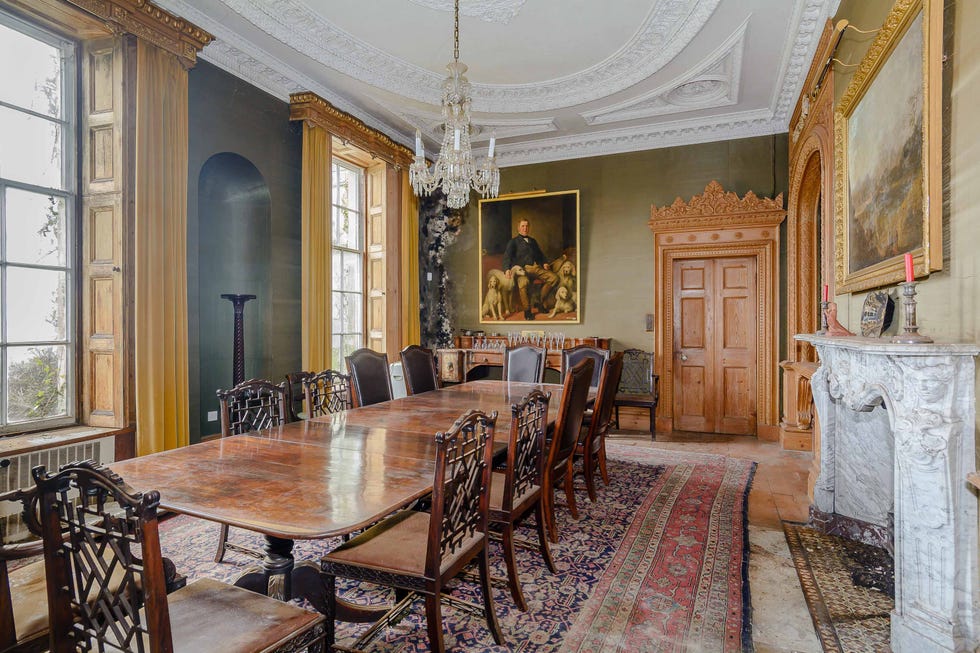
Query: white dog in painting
pixel 505 286
pixel 564 302
pixel 493 300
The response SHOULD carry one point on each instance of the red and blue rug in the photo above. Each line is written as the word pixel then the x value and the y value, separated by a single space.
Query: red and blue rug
pixel 659 563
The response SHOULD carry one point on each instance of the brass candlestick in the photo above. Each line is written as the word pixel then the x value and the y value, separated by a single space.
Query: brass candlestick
pixel 823 318
pixel 910 333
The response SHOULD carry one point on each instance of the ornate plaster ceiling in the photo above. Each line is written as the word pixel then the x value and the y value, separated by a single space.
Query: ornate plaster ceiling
pixel 555 79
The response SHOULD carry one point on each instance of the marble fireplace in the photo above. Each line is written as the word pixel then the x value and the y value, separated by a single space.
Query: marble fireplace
pixel 897 426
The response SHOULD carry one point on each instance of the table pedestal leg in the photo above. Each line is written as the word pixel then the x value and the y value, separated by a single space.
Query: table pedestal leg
pixel 281 579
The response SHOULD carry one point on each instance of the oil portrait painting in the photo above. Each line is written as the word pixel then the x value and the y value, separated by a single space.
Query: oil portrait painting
pixel 529 258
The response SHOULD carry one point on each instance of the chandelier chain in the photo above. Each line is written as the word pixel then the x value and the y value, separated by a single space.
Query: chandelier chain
pixel 456 33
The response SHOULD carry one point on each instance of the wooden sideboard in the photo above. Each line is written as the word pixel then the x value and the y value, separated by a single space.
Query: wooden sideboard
pixel 455 364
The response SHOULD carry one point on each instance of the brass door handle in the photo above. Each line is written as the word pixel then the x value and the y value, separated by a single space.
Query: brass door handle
pixel 683 357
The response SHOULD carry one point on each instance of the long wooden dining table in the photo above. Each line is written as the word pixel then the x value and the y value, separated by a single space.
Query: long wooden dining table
pixel 319 478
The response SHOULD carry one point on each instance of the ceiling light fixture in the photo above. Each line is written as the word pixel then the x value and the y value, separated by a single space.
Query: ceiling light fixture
pixel 455 169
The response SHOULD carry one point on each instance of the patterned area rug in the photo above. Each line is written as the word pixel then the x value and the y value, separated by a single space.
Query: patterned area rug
pixel 658 564
pixel 849 588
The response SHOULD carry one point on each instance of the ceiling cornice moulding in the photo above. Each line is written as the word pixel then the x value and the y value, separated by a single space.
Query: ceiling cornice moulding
pixel 632 139
pixel 669 27
pixel 490 11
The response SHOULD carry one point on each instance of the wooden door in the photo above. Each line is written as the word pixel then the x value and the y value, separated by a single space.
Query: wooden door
pixel 715 345
pixel 376 255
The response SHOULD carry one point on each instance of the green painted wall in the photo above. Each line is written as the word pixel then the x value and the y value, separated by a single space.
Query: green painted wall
pixel 243 237
pixel 617 191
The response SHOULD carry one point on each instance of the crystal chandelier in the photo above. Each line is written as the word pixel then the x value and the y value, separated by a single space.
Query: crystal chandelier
pixel 455 169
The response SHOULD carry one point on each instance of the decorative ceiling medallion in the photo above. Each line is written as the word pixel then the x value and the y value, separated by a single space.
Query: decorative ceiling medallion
pixel 712 83
pixel 668 28
pixel 490 11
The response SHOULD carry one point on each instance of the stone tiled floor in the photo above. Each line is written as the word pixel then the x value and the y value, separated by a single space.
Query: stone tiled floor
pixel 780 620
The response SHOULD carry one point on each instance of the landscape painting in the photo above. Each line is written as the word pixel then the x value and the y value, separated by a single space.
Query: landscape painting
pixel 884 137
pixel 888 195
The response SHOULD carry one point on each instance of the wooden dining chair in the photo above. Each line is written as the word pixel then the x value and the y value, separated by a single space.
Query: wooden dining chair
pixel 525 364
pixel 23 594
pixel 639 386
pixel 295 397
pixel 571 356
pixel 249 406
pixel 370 378
pixel 419 368
pixel 111 524
pixel 516 490
pixel 571 410
pixel 327 392
pixel 419 552
pixel 591 447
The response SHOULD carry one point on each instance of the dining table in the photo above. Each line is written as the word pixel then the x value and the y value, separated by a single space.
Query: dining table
pixel 319 478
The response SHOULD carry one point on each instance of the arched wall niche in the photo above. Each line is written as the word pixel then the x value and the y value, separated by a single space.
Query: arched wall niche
pixel 235 251
pixel 810 246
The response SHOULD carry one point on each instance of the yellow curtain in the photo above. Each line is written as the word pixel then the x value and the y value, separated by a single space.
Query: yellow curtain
pixel 411 327
pixel 160 251
pixel 317 158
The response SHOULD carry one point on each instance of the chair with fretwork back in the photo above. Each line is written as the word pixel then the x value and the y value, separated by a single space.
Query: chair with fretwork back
pixel 419 552
pixel 516 490
pixel 249 406
pixel 110 525
pixel 327 392
pixel 639 387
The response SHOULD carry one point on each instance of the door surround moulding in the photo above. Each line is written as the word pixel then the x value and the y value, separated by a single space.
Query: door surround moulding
pixel 712 225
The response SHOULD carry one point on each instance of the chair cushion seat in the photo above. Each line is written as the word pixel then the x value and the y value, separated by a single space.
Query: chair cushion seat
pixel 497 482
pixel 636 400
pixel 395 545
pixel 28 593
pixel 208 615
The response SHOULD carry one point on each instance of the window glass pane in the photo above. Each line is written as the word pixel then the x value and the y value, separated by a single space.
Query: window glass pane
pixel 352 313
pixel 31 150
pixel 34 81
pixel 337 352
pixel 36 305
pixel 352 343
pixel 353 271
pixel 334 181
pixel 36 228
pixel 346 228
pixel 36 383
pixel 337 312
pixel 348 185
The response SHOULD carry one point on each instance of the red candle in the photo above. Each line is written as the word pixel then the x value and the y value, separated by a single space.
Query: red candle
pixel 826 293
pixel 909 273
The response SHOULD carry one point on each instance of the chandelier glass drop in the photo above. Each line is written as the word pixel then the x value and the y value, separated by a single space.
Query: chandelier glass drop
pixel 454 169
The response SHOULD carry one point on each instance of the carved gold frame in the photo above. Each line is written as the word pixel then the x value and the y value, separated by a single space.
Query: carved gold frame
pixel 928 257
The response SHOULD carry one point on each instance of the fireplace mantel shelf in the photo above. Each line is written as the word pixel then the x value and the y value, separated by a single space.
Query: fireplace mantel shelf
pixel 886 346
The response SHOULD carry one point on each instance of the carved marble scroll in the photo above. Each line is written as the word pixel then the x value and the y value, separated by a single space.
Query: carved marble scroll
pixel 914 404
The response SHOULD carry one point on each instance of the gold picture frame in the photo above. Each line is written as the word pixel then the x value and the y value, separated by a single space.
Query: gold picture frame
pixel 551 283
pixel 888 153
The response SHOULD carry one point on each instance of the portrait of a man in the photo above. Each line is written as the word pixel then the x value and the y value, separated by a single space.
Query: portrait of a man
pixel 529 260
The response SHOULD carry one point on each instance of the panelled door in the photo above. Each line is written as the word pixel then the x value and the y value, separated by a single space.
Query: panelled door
pixel 715 345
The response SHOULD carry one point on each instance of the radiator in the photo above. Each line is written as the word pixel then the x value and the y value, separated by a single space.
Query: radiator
pixel 18 475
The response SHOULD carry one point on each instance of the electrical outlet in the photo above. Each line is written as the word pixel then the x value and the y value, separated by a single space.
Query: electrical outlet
pixel 212 416
pixel 428 276
pixel 649 322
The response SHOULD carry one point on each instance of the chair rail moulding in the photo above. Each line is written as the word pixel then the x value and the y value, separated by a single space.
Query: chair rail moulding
pixel 720 224
pixel 313 109
pixel 138 17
